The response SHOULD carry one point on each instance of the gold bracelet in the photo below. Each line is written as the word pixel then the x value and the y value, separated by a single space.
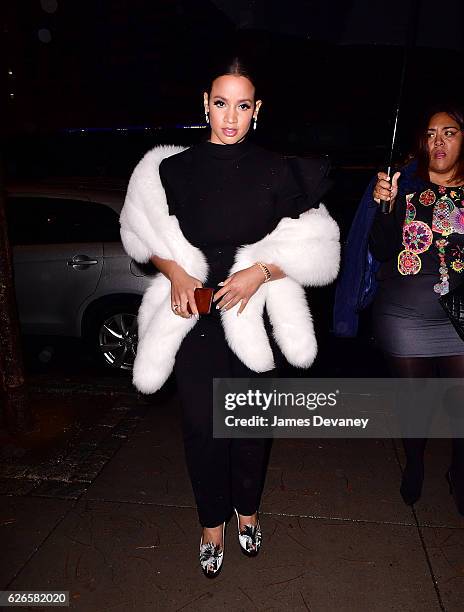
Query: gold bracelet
pixel 265 270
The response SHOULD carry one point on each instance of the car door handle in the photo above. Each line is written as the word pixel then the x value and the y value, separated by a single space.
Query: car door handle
pixel 82 260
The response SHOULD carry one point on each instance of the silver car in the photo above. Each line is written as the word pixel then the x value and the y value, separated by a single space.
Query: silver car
pixel 72 276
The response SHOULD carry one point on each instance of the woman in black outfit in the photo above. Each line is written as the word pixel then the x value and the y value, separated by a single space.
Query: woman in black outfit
pixel 225 193
pixel 421 245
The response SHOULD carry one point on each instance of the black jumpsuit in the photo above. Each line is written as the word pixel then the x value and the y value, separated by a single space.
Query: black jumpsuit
pixel 224 196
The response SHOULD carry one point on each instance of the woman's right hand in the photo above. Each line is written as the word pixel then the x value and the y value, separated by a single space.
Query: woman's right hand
pixel 383 190
pixel 182 292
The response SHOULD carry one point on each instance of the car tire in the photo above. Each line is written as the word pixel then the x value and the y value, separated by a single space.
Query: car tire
pixel 110 331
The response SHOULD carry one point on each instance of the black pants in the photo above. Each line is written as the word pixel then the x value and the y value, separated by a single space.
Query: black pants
pixel 225 473
pixel 429 367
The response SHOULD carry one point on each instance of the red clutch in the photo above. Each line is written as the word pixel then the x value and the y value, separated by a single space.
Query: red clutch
pixel 203 300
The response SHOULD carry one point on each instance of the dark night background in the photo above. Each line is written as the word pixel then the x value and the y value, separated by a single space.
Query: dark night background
pixel 127 72
pixel 94 495
pixel 92 85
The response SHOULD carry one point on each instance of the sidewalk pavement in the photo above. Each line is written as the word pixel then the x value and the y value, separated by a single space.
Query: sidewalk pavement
pixel 113 522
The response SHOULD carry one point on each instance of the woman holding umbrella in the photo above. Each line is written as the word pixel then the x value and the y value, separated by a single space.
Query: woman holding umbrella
pixel 420 245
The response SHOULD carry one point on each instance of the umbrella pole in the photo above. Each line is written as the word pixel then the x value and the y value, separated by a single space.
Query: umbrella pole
pixel 413 22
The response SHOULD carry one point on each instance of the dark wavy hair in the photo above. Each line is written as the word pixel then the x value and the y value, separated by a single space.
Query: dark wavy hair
pixel 421 151
pixel 235 66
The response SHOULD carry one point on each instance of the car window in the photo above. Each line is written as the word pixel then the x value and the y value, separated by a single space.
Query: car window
pixel 34 220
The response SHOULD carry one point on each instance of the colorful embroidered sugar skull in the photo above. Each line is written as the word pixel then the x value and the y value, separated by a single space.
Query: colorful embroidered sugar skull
pixel 417 236
pixel 408 263
pixel 427 198
pixel 457 220
pixel 457 265
pixel 410 212
pixel 441 216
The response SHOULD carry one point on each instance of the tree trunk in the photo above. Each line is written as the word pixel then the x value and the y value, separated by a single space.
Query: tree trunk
pixel 15 413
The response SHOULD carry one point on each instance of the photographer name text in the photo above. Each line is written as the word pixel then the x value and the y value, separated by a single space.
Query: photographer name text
pixel 313 421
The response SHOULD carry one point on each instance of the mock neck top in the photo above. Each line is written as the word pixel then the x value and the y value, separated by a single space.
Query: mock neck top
pixel 226 151
pixel 225 196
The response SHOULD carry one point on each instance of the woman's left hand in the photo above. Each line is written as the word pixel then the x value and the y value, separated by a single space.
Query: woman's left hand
pixel 239 287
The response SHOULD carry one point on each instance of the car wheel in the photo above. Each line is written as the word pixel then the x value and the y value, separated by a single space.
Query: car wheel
pixel 113 336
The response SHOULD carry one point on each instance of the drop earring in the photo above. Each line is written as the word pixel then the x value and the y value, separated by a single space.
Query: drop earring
pixel 207 116
pixel 255 120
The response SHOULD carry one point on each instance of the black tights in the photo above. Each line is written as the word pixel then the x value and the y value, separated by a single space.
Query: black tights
pixel 429 367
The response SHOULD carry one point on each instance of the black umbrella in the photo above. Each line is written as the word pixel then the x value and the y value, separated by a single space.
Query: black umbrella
pixel 421 25
pixel 353 22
